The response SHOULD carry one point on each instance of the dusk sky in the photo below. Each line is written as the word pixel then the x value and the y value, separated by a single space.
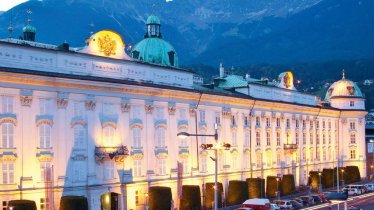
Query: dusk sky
pixel 7 4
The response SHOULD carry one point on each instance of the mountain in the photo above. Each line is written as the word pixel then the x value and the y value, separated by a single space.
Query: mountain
pixel 235 32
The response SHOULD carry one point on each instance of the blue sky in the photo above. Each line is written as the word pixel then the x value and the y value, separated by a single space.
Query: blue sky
pixel 7 4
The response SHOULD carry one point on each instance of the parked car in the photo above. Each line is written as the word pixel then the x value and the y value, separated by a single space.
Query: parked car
pixel 296 205
pixel 244 208
pixel 299 200
pixel 354 208
pixel 370 186
pixel 354 191
pixel 257 204
pixel 307 200
pixel 284 204
pixel 274 206
pixel 317 199
pixel 360 188
pixel 323 198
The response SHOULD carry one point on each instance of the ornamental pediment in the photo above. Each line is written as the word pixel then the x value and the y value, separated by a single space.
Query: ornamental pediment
pixel 44 119
pixel 109 121
pixel 8 118
pixel 8 156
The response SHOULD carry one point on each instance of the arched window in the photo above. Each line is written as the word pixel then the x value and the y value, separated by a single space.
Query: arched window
pixel 45 136
pixel 79 136
pixel 160 137
pixel 7 135
pixel 136 137
pixel 108 136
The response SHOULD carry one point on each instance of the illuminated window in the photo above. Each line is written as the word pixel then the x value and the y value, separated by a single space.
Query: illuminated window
pixel 278 138
pixel 324 154
pixel 311 154
pixel 79 171
pixel 136 137
pixel 297 137
pixel 186 167
pixel 160 137
pixel 45 136
pixel 259 160
pixel 109 170
pixel 304 154
pixel 45 172
pixel 7 104
pixel 267 138
pixel 317 138
pixel 8 173
pixel 279 158
pixel 258 138
pixel 234 162
pixel 5 205
pixel 7 135
pixel 108 136
pixel 329 138
pixel 246 139
pixel 161 166
pixel 353 138
pixel 323 139
pixel 311 138
pixel 137 168
pixel 247 160
pixel 44 203
pixel 353 154
pixel 318 154
pixel 79 136
pixel 268 158
pixel 136 197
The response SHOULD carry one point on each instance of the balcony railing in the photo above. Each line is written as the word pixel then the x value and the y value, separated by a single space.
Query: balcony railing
pixel 289 146
pixel 117 153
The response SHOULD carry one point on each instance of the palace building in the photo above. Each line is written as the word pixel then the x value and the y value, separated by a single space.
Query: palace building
pixel 94 120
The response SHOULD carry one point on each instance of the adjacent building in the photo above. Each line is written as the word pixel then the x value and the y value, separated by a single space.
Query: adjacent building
pixel 93 120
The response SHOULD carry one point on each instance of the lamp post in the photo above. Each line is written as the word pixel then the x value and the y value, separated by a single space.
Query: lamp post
pixel 216 148
pixel 146 201
pixel 320 182
pixel 278 191
pixel 343 178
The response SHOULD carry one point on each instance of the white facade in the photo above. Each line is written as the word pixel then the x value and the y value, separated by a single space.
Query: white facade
pixel 61 111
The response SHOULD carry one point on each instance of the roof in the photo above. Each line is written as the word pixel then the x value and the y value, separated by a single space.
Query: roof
pixel 153 19
pixel 343 88
pixel 155 50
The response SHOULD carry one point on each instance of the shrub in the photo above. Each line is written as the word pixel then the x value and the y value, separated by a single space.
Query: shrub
pixel 237 192
pixel 271 186
pixel 73 203
pixel 190 198
pixel 352 174
pixel 256 187
pixel 22 205
pixel 342 176
pixel 160 198
pixel 313 180
pixel 209 195
pixel 288 184
pixel 328 177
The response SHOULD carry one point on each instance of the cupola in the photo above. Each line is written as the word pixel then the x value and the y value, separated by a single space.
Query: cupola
pixel 29 32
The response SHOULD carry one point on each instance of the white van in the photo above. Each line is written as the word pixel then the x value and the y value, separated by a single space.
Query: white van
pixel 353 191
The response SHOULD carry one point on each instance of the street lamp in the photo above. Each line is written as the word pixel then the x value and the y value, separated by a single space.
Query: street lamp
pixel 343 178
pixel 320 182
pixel 278 191
pixel 216 148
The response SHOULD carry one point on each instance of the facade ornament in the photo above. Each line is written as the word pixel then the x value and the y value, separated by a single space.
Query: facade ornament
pixel 226 112
pixel 8 118
pixel 361 120
pixel 62 100
pixel 263 115
pixel 172 108
pixel 26 97
pixel 149 107
pixel 344 120
pixel 90 103
pixel 125 105
pixel 273 115
pixel 192 110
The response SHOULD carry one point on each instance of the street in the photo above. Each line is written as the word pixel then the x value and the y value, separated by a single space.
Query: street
pixel 365 202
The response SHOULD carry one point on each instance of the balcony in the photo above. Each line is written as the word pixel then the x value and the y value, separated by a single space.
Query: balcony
pixel 289 146
pixel 109 153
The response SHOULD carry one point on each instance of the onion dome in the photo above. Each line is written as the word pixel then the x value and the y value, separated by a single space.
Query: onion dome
pixel 29 32
pixel 153 49
pixel 343 88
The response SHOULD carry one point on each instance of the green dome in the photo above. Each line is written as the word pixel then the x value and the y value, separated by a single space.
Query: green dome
pixel 155 50
pixel 29 28
pixel 153 20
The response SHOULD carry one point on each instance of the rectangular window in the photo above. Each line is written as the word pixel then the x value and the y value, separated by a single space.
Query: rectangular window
pixel 278 122
pixel 7 104
pixel 317 124
pixel 311 154
pixel 79 136
pixel 44 203
pixel 267 122
pixel 323 139
pixel 279 158
pixel 137 202
pixel 246 122
pixel 246 139
pixel 8 172
pixel 5 205
pixel 353 138
pixel 45 172
pixel 352 125
pixel 79 171
pixel 109 170
pixel 257 121
pixel 136 137
pixel 267 138
pixel 329 125
pixel 288 123
pixel 317 138
pixel 137 168
pixel 329 138
pixel 318 155
pixel 311 138
pixel 297 123
pixel 234 162
pixel 259 160
pixel 161 167
pixel 351 103
pixel 218 118
pixel 323 124
pixel 304 154
pixel 186 167
pixel 311 124
pixel 297 138
pixel 278 138
pixel 258 138
pixel 45 106
pixel 202 116
pixel 304 124
pixel 304 138
pixel 7 135
pixel 353 154
pixel 45 136
pixel 324 154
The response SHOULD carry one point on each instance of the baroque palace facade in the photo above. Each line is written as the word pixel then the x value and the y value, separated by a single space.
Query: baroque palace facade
pixel 92 120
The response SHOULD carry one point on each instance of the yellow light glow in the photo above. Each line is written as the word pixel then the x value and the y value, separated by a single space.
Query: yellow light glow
pixel 107 198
